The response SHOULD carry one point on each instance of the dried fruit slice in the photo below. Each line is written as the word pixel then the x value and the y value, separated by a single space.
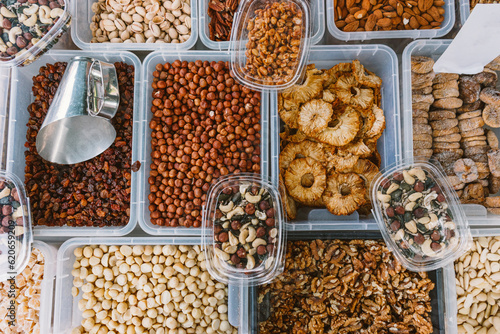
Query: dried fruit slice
pixel 306 148
pixel 305 179
pixel 491 115
pixel 365 77
pixel 333 74
pixel 378 126
pixel 349 92
pixel 314 116
pixel 290 207
pixel 473 194
pixel 421 64
pixel 288 111
pixel 492 139
pixel 345 193
pixel 311 87
pixel 357 148
pixel 490 95
pixel 494 162
pixel 340 161
pixel 366 169
pixel 494 64
pixel 492 202
pixel 466 170
pixel 487 78
pixel 344 129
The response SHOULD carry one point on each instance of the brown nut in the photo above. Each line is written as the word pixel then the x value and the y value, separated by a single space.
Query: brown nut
pixel 261 250
pixel 241 252
pixel 223 237
pixel 250 209
pixel 270 222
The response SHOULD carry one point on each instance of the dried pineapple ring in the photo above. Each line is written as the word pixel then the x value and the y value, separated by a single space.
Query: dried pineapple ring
pixel 345 193
pixel 314 116
pixel 348 125
pixel 306 148
pixel 288 111
pixel 367 170
pixel 368 122
pixel 375 158
pixel 290 207
pixel 365 77
pixel 317 203
pixel 340 161
pixel 312 86
pixel 378 127
pixel 357 148
pixel 305 179
pixel 333 74
pixel 328 96
pixel 350 93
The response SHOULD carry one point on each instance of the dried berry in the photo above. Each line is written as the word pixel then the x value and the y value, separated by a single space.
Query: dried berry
pixel 435 246
pixel 419 186
pixel 419 212
pixel 400 210
pixel 390 212
pixel 419 239
pixel 395 225
pixel 435 235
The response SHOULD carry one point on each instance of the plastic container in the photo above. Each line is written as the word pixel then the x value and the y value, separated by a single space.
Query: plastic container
pixel 15 242
pixel 21 97
pixel 379 59
pixel 147 78
pixel 442 214
pixel 446 26
pixel 239 40
pixel 464 10
pixel 271 262
pixel 252 312
pixel 477 215
pixel 82 35
pixel 450 289
pixel 317 21
pixel 43 45
pixel 66 313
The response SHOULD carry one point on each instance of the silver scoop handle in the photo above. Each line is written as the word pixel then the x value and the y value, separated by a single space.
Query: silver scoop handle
pixel 103 96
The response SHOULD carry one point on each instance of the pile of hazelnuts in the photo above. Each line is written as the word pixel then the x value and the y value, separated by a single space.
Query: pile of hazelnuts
pixel 204 125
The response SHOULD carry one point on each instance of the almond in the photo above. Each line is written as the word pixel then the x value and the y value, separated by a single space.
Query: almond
pixel 360 14
pixel 384 23
pixel 378 14
pixel 414 23
pixel 435 24
pixel 371 22
pixel 388 8
pixel 366 5
pixel 421 20
pixel 350 3
pixel 351 26
pixel 393 3
pixel 373 2
pixel 353 10
pixel 395 21
pixel 340 3
pixel 411 3
pixel 427 17
pixel 424 5
pixel 340 24
pixel 390 14
pixel 409 11
pixel 350 18
pixel 439 3
pixel 433 12
pixel 339 13
pixel 399 9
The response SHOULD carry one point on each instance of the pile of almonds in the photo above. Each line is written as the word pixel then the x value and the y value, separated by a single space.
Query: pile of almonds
pixel 382 15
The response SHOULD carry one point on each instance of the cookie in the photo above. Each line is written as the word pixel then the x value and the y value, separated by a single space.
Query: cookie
pixel 491 115
pixel 490 95
pixel 470 114
pixel 416 98
pixel 422 80
pixel 473 143
pixel 445 92
pixel 421 106
pixel 423 137
pixel 492 139
pixel 443 77
pixel 422 144
pixel 422 128
pixel 446 145
pixel 448 103
pixel 470 124
pixel 474 138
pixel 470 106
pixel 420 120
pixel 421 64
pixel 471 151
pixel 440 114
pixel 440 133
pixel 423 91
pixel 444 124
pixel 447 84
pixel 487 78
pixel 472 133
pixel 454 137
pixel 469 89
pixel 420 113
pixel 422 152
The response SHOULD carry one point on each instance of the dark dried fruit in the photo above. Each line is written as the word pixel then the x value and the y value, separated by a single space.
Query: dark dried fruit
pixel 395 225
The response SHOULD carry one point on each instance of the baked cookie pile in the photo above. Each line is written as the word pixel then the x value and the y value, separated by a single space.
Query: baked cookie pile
pixel 452 117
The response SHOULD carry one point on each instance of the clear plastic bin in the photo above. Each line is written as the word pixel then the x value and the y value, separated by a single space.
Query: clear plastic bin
pixel 251 312
pixel 464 10
pixel 450 290
pixel 446 26
pixel 66 313
pixel 82 35
pixel 148 68
pixel 477 215
pixel 379 59
pixel 317 21
pixel 21 97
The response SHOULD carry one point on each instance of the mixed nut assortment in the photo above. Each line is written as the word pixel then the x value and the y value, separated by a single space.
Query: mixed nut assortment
pixel 417 214
pixel 28 290
pixel 245 230
pixel 204 125
pixel 92 193
pixel 329 152
pixel 25 23
pixel 450 115
pixel 340 286
pixel 478 287
pixel 221 13
pixel 383 15
pixel 145 289
pixel 273 50
pixel 11 209
pixel 141 21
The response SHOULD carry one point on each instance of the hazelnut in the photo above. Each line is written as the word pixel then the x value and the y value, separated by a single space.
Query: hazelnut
pixel 217 229
pixel 400 210
pixel 270 248
pixel 261 231
pixel 19 221
pixel 435 246
pixel 15 194
pixel 270 222
pixel 441 198
pixel 263 205
pixel 5 220
pixel 390 212
pixel 235 225
pixel 398 176
pixel 223 237
pixel 250 209
pixel 385 183
pixel 6 210
pixel 395 225
pixel 241 252
pixel 419 239
pixel 419 212
pixel 227 191
pixel 235 259
pixel 419 186
pixel 435 235
pixel 261 250
pixel 270 212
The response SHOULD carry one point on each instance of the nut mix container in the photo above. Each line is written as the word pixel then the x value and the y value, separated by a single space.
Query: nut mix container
pixel 257 306
pixel 244 230
pixel 33 42
pixel 419 215
pixel 444 28
pixel 16 236
pixel 247 50
pixel 477 215
pixel 148 68
pixel 67 315
pixel 82 33
pixel 317 21
pixel 19 116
